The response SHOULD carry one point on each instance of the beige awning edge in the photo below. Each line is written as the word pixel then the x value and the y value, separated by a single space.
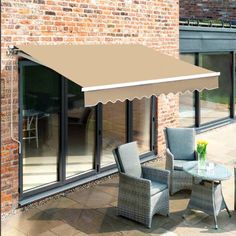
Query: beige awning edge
pixel 136 92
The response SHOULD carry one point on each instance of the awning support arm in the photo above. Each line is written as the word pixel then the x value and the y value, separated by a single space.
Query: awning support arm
pixel 11 52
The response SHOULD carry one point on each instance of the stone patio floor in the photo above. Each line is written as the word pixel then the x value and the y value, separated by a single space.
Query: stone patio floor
pixel 93 211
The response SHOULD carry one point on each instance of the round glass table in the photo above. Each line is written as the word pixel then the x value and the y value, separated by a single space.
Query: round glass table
pixel 207 193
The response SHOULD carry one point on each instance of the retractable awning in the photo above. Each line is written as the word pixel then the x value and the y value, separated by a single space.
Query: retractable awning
pixel 119 72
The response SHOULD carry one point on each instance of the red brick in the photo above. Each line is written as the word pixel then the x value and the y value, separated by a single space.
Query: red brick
pixel 202 9
pixel 153 23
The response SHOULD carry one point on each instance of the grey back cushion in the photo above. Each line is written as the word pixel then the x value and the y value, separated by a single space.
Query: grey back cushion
pixel 181 142
pixel 128 158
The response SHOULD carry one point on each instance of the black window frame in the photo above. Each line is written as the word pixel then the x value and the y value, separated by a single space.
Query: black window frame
pixel 64 183
pixel 233 100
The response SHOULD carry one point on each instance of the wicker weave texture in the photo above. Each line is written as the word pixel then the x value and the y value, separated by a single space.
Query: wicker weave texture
pixel 204 197
pixel 135 200
pixel 179 179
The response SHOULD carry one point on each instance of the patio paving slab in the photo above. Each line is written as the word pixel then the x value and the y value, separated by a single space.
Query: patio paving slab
pixel 163 232
pixel 66 229
pixel 12 232
pixel 33 222
pixel 59 203
pixel 93 211
pixel 47 233
pixel 92 197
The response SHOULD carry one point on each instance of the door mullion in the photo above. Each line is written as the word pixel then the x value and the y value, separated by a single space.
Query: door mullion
pixel 232 96
pixel 197 97
pixel 98 138
pixel 129 121
pixel 153 124
pixel 20 130
pixel 64 131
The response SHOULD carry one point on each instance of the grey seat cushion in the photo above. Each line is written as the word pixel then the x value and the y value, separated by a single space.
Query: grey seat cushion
pixel 128 158
pixel 178 164
pixel 157 187
pixel 181 142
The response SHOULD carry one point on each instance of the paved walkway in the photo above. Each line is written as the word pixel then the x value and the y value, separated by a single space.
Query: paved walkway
pixel 93 212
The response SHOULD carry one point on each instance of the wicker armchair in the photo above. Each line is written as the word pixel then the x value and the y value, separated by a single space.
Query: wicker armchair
pixel 143 191
pixel 180 144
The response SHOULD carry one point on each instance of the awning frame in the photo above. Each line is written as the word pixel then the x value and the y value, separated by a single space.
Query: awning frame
pixel 146 82
pixel 153 69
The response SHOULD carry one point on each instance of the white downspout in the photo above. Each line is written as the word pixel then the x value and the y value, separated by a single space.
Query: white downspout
pixel 12 132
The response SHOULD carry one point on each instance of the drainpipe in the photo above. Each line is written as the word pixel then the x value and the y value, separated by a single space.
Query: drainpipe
pixel 11 52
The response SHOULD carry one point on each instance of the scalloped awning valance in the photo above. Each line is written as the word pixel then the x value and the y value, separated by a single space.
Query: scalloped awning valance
pixel 119 72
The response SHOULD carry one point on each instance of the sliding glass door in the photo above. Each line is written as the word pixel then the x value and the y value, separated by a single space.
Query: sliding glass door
pixel 209 107
pixel 215 103
pixel 113 130
pixel 80 132
pixel 187 100
pixel 40 121
pixel 141 124
pixel 65 142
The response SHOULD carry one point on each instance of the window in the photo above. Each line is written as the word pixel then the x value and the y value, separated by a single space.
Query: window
pixel 214 104
pixel 186 100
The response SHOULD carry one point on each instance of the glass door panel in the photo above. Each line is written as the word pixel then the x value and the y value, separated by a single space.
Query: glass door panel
pixel 81 133
pixel 114 130
pixel 141 123
pixel 186 100
pixel 41 107
pixel 214 104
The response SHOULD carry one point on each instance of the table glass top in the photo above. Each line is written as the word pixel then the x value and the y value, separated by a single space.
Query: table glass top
pixel 212 171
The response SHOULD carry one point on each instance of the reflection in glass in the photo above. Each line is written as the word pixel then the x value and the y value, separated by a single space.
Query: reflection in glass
pixel 141 123
pixel 215 103
pixel 40 117
pixel 186 110
pixel 186 100
pixel 114 130
pixel 81 132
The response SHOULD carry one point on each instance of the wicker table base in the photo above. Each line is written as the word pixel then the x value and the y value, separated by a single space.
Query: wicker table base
pixel 207 196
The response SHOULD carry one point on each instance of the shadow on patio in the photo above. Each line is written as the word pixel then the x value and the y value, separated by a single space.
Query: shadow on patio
pixel 92 211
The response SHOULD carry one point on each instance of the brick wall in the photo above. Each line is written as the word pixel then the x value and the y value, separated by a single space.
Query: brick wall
pixel 153 23
pixel 167 116
pixel 205 9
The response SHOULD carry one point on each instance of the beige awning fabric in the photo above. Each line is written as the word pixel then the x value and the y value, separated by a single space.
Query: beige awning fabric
pixel 119 72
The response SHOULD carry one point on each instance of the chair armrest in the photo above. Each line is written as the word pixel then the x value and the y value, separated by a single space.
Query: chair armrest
pixel 169 160
pixel 132 185
pixel 155 174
